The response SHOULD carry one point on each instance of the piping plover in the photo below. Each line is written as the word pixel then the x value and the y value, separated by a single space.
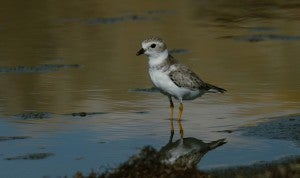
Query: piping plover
pixel 171 77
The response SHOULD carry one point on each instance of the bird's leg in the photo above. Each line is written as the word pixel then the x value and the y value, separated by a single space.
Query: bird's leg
pixel 179 118
pixel 172 132
pixel 171 107
pixel 172 129
pixel 180 110
pixel 181 129
pixel 171 116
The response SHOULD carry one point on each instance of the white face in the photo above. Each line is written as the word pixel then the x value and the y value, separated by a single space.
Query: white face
pixel 153 48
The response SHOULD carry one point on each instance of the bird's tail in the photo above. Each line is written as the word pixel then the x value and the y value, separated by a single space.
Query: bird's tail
pixel 215 89
pixel 217 143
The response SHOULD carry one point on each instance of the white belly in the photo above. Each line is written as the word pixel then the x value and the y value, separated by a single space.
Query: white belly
pixel 162 81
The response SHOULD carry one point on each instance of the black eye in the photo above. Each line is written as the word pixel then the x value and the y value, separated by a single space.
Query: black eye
pixel 153 45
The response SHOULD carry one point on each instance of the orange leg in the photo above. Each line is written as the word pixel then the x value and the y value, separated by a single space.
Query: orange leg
pixel 181 129
pixel 180 111
pixel 179 119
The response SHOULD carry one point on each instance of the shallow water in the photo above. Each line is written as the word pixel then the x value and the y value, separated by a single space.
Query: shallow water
pixel 63 59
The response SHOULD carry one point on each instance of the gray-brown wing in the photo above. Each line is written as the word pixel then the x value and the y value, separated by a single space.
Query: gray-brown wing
pixel 184 77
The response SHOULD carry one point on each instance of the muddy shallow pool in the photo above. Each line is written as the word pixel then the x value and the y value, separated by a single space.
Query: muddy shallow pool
pixel 74 96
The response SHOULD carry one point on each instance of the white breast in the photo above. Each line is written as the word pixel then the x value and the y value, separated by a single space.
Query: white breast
pixel 162 81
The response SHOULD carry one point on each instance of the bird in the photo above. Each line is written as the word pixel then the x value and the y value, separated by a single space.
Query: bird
pixel 172 78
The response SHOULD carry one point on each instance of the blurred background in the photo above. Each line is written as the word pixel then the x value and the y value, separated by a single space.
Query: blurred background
pixel 59 58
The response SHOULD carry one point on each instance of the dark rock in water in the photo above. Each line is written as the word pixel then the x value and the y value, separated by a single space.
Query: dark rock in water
pixel 3 138
pixel 146 90
pixel 83 114
pixel 141 112
pixel 150 15
pixel 31 156
pixel 37 69
pixel 34 115
pixel 99 20
pixel 285 128
pixel 113 20
pixel 226 131
pixel 263 37
pixel 178 51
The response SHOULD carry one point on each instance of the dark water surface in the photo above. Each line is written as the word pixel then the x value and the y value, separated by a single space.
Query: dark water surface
pixel 74 96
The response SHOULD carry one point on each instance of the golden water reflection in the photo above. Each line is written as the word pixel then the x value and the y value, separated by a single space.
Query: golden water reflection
pixel 261 75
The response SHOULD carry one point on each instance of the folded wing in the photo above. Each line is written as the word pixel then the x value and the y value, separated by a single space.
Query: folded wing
pixel 183 77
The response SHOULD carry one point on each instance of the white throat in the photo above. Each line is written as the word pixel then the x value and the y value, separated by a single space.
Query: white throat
pixel 158 58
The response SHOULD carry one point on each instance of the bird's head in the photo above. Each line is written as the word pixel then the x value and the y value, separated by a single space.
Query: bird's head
pixel 153 47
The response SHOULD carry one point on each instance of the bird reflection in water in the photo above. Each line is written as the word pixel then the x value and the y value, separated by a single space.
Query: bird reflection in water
pixel 186 152
pixel 175 159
